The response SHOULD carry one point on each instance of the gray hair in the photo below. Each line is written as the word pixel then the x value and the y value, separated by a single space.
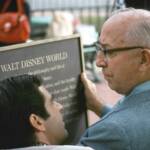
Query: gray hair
pixel 138 33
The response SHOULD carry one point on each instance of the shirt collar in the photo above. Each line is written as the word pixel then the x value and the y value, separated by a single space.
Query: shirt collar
pixel 138 89
pixel 141 88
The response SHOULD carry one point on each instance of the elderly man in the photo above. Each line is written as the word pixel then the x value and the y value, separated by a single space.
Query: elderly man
pixel 124 55
pixel 29 117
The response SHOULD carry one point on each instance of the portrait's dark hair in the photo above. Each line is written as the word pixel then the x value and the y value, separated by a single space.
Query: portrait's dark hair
pixel 19 97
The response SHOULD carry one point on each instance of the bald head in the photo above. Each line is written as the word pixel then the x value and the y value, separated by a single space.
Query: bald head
pixel 128 27
pixel 125 30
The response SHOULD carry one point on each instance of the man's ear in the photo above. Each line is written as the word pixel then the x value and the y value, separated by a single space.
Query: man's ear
pixel 145 60
pixel 37 122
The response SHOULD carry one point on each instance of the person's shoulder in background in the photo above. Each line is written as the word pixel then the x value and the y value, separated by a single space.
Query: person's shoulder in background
pixel 53 147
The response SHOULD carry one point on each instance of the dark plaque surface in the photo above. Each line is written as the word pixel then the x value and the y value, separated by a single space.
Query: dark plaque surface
pixel 60 63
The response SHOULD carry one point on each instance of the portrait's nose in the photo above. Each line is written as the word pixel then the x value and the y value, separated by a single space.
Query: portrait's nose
pixel 101 60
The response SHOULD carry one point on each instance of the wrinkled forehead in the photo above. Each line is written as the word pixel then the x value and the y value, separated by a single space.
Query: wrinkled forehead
pixel 113 32
pixel 115 29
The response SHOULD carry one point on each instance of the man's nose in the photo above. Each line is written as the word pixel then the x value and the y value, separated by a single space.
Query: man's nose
pixel 101 60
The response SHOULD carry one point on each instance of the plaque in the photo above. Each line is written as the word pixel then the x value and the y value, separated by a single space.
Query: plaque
pixel 59 62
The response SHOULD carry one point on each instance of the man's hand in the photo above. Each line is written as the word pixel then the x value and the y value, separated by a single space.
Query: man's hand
pixel 92 100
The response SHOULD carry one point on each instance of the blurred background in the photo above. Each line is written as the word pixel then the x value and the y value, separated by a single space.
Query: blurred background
pixel 68 16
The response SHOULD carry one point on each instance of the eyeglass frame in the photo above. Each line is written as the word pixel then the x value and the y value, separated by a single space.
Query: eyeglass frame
pixel 105 51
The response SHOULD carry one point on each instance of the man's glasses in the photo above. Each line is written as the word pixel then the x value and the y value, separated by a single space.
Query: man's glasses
pixel 106 51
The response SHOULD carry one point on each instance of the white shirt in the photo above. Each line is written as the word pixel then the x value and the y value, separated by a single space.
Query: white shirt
pixel 55 147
